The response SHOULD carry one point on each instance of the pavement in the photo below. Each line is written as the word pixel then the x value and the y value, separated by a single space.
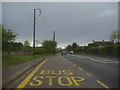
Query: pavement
pixel 9 74
pixel 59 72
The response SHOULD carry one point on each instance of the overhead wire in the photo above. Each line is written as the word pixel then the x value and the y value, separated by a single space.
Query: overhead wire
pixel 42 14
pixel 43 17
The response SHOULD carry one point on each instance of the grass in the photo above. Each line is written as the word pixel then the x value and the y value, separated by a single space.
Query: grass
pixel 14 60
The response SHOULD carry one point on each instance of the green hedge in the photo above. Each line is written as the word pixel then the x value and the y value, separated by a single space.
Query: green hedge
pixel 40 51
pixel 109 50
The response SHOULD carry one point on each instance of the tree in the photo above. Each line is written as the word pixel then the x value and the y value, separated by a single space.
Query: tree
pixel 79 49
pixel 8 37
pixel 0 39
pixel 26 47
pixel 16 46
pixel 69 48
pixel 37 43
pixel 26 43
pixel 74 46
pixel 0 31
pixel 90 45
pixel 50 46
pixel 114 36
pixel 59 49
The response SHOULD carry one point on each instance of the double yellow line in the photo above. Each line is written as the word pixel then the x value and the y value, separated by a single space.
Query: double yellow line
pixel 27 79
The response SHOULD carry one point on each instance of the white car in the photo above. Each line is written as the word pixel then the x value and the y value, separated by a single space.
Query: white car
pixel 71 52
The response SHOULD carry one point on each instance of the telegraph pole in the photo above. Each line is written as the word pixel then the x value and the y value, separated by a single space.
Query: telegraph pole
pixel 34 29
pixel 34 34
pixel 54 36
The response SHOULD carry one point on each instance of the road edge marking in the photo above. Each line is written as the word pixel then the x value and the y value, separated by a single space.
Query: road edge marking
pixel 89 74
pixel 105 86
pixel 27 79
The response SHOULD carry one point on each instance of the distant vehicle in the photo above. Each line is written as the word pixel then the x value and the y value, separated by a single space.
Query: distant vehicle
pixel 63 52
pixel 71 52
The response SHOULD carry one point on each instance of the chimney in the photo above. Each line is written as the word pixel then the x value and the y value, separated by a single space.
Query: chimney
pixel 93 41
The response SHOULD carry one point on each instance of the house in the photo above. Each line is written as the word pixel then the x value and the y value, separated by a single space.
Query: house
pixel 99 43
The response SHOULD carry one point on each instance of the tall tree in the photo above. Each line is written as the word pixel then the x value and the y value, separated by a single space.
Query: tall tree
pixel 69 48
pixel 74 46
pixel 8 36
pixel 50 46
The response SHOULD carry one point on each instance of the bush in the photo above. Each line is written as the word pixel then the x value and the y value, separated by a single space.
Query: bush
pixel 50 46
pixel 92 50
pixel 79 49
pixel 40 50
pixel 109 50
pixel 117 49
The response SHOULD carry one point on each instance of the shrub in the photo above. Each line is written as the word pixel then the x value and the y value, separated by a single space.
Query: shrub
pixel 40 50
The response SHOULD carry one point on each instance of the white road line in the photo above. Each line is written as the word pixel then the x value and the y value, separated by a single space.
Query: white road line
pixel 74 64
pixel 80 57
pixel 101 60
pixel 79 68
pixel 97 60
pixel 70 62
pixel 89 74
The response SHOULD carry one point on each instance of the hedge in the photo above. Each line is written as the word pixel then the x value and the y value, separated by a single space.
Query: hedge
pixel 109 50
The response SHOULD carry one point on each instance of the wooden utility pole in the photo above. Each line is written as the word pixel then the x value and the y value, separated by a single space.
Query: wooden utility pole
pixel 54 36
pixel 34 35
pixel 34 29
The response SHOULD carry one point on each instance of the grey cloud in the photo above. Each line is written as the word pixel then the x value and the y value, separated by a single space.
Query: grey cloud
pixel 72 21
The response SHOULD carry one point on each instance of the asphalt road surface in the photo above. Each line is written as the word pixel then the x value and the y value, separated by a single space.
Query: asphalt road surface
pixel 105 70
pixel 59 72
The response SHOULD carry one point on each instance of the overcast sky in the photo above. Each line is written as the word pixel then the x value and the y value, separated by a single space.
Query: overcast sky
pixel 79 22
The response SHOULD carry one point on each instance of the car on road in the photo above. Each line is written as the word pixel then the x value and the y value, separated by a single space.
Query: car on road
pixel 71 52
pixel 63 52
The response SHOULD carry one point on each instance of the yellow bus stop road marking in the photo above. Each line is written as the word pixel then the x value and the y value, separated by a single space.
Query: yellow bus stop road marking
pixel 27 79
pixel 103 84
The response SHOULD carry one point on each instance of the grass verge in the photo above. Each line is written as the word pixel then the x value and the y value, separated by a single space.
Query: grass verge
pixel 14 60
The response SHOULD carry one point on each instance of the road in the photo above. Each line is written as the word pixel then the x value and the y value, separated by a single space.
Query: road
pixel 68 72
pixel 105 70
